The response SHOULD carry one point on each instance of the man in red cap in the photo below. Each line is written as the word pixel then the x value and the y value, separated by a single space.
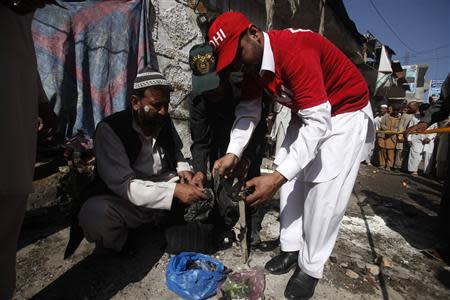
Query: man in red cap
pixel 324 144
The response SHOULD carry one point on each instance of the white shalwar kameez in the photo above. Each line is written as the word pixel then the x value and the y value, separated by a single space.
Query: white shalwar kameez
pixel 418 150
pixel 320 158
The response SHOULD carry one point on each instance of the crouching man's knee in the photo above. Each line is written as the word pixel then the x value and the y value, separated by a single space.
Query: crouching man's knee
pixel 102 224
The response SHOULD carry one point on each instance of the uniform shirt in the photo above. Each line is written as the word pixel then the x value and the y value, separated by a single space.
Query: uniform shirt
pixel 147 182
pixel 305 72
pixel 389 123
pixel 210 123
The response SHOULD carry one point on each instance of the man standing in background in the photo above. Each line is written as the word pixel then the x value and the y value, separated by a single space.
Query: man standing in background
pixel 422 146
pixel 380 136
pixel 416 146
pixel 401 148
pixel 389 122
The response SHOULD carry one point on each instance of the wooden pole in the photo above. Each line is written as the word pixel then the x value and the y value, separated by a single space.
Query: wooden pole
pixel 243 232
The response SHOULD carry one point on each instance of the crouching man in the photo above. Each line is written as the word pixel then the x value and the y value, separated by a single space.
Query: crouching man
pixel 138 166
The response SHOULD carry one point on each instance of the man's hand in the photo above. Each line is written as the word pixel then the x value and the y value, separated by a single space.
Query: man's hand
pixel 225 165
pixel 241 169
pixel 188 193
pixel 185 176
pixel 419 127
pixel 265 188
pixel 40 124
pixel 199 179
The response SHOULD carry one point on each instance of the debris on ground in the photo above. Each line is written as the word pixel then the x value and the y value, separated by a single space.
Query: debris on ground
pixel 352 274
pixel 375 232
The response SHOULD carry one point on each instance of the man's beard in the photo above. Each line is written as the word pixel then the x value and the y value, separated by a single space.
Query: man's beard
pixel 149 121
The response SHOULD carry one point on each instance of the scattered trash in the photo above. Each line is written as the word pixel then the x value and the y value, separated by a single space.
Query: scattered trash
pixel 236 290
pixel 385 262
pixel 344 265
pixel 355 256
pixel 194 276
pixel 405 183
pixel 246 284
pixel 352 274
pixel 361 265
pixel 373 269
pixel 334 258
pixel 64 169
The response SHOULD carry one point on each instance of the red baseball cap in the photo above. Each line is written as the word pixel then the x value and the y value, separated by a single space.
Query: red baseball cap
pixel 224 35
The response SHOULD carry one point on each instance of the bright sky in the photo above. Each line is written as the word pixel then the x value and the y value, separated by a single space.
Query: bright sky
pixel 415 28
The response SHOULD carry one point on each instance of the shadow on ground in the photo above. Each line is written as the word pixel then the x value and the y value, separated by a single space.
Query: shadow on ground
pixel 408 205
pixel 443 276
pixel 101 276
pixel 417 180
pixel 40 223
pixel 409 218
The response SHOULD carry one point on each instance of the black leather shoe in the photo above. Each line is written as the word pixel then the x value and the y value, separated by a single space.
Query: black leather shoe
pixel 282 263
pixel 301 286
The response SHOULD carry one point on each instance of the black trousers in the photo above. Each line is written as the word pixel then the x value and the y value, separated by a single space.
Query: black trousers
pixel 12 210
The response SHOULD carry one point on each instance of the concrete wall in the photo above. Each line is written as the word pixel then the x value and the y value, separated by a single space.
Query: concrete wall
pixel 174 31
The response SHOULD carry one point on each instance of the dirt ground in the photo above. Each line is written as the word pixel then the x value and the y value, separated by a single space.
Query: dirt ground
pixel 391 219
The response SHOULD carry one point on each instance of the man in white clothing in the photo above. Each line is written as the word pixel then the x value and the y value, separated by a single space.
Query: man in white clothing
pixel 422 146
pixel 319 159
pixel 416 145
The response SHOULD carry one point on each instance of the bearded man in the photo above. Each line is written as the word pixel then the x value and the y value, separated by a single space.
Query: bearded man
pixel 139 166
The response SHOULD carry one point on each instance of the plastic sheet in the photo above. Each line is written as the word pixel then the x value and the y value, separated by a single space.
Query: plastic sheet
pixel 248 284
pixel 194 275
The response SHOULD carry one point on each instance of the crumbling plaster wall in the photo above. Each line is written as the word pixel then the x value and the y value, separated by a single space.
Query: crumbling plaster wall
pixel 174 31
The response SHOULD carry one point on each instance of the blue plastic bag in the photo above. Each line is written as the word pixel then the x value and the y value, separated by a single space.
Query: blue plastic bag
pixel 194 276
